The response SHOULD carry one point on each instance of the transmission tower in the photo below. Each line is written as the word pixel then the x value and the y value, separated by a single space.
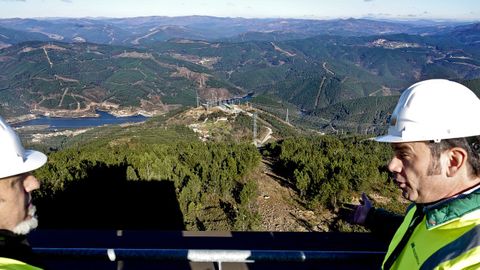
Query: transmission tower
pixel 286 118
pixel 255 128
pixel 198 99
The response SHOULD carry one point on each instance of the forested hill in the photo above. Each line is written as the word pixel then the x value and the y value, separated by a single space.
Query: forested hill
pixel 160 175
pixel 302 69
pixel 319 71
pixel 74 79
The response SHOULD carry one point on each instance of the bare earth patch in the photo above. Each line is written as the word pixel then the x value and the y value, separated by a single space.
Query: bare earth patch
pixel 280 208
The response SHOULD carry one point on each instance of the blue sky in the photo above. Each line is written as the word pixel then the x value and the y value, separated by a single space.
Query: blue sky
pixel 464 10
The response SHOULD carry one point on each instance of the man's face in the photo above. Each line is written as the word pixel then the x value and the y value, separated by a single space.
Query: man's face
pixel 15 203
pixel 410 166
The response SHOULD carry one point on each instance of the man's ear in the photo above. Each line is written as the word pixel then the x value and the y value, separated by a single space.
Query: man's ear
pixel 457 158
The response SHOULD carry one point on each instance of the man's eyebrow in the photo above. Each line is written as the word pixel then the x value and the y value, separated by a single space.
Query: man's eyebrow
pixel 14 179
pixel 401 148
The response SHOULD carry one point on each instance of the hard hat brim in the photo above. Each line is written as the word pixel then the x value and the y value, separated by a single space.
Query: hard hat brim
pixel 33 160
pixel 390 139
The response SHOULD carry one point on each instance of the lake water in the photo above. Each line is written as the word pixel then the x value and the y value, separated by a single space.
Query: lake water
pixel 104 118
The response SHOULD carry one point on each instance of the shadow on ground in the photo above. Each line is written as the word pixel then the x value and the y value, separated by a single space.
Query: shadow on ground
pixel 105 199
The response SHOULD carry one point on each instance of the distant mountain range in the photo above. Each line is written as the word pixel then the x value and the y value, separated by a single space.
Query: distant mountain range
pixel 145 30
pixel 151 64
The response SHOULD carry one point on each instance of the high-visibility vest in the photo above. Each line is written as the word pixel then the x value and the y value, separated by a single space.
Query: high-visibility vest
pixel 447 236
pixel 11 264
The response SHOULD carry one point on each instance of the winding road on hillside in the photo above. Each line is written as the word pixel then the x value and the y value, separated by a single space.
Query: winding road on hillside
pixel 317 99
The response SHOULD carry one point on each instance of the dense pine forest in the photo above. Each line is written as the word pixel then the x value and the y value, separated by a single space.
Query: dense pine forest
pixel 326 170
pixel 208 182
pixel 161 176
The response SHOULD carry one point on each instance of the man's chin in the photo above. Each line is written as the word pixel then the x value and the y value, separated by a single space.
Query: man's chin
pixel 26 226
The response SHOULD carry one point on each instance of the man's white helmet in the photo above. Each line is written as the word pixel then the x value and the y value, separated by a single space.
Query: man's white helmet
pixel 14 159
pixel 434 110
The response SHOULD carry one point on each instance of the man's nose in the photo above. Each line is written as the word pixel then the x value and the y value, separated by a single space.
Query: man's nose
pixel 31 183
pixel 395 165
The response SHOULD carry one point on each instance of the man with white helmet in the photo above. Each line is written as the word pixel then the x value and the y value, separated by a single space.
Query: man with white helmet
pixel 434 133
pixel 17 213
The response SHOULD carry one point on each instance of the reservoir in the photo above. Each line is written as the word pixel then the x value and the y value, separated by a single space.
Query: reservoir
pixel 104 118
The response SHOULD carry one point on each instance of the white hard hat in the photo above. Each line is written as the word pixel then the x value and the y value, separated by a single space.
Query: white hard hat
pixel 14 159
pixel 434 110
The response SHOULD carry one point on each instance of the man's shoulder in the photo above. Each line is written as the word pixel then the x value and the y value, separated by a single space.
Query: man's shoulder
pixel 465 207
pixel 12 264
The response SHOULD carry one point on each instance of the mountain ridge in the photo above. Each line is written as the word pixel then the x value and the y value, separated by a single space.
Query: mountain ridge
pixel 123 31
pixel 304 69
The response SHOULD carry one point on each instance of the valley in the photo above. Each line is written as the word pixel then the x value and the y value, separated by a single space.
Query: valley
pixel 313 89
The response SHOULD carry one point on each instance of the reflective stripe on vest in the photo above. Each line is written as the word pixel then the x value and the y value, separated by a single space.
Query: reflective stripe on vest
pixel 468 241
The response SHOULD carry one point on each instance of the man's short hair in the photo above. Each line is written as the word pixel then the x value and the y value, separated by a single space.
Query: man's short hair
pixel 470 144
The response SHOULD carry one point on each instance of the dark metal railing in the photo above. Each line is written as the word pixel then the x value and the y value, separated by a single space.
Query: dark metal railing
pixel 259 250
pixel 205 255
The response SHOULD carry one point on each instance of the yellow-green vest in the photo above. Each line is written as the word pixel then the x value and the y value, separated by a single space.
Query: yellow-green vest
pixel 448 236
pixel 11 264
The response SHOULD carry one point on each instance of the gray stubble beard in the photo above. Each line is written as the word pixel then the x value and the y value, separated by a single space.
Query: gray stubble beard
pixel 29 224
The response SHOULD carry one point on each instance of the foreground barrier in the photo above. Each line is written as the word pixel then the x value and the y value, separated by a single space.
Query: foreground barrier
pixel 123 250
pixel 247 256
